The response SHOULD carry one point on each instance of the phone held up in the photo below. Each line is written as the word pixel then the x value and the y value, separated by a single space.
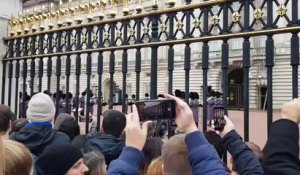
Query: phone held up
pixel 218 118
pixel 152 110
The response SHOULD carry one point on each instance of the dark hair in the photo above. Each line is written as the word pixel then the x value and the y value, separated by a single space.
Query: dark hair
pixel 18 124
pixel 160 96
pixel 94 161
pixel 214 139
pixel 63 96
pixel 196 95
pixel 83 93
pixel 6 115
pixel 212 93
pixel 80 140
pixel 114 122
pixel 178 93
pixel 133 96
pixel 70 127
pixel 146 95
pixel 192 95
pixel 151 150
pixel 182 94
pixel 218 94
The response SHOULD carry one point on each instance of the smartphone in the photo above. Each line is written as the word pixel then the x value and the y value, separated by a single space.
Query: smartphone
pixel 218 117
pixel 163 109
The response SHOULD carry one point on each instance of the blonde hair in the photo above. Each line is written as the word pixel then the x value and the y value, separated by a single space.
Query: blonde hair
pixel 155 167
pixel 17 158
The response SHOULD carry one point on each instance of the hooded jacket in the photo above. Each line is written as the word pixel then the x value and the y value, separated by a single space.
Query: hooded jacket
pixel 37 136
pixel 245 160
pixel 109 145
pixel 202 157
pixel 281 151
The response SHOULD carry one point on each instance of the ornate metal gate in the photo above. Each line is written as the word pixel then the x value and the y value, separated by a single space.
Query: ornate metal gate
pixel 191 23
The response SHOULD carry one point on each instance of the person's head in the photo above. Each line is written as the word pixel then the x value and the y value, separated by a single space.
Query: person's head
pixel 155 167
pixel 146 95
pixel 151 129
pixel 197 95
pixel 83 93
pixel 80 140
pixel 95 161
pixel 133 96
pixel 70 127
pixel 60 119
pixel 114 122
pixel 256 150
pixel 192 95
pixel 182 94
pixel 218 94
pixel 175 157
pixel 213 93
pixel 178 93
pixel 61 158
pixel 151 150
pixel 16 158
pixel 214 139
pixel 18 124
pixel 159 96
pixel 6 118
pixel 40 108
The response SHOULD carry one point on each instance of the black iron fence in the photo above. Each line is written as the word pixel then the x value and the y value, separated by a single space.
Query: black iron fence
pixel 191 23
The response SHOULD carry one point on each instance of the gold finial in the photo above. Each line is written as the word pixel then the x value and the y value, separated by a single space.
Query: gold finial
pixel 43 16
pixel 102 4
pixel 60 13
pixel 51 15
pixel 171 3
pixel 91 6
pixel 27 22
pixel 80 9
pixel 12 24
pixel 126 8
pixel 35 19
pixel 154 4
pixel 139 7
pixel 113 11
pixel 70 13
pixel 20 23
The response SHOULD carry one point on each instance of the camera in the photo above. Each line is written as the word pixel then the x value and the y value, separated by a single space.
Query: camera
pixel 163 109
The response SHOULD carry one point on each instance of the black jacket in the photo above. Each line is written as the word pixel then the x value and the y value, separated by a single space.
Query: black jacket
pixel 282 149
pixel 38 137
pixel 245 160
pixel 109 145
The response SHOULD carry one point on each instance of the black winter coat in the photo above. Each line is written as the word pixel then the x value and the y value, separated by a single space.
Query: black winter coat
pixel 109 145
pixel 36 138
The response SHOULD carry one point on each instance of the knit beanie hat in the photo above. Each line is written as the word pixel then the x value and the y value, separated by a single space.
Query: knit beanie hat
pixel 40 108
pixel 57 159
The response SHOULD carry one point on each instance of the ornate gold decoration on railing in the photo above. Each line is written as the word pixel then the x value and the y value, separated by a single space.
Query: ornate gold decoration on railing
pixel 32 22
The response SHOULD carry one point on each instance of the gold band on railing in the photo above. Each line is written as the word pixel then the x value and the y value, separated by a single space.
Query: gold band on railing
pixel 169 42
